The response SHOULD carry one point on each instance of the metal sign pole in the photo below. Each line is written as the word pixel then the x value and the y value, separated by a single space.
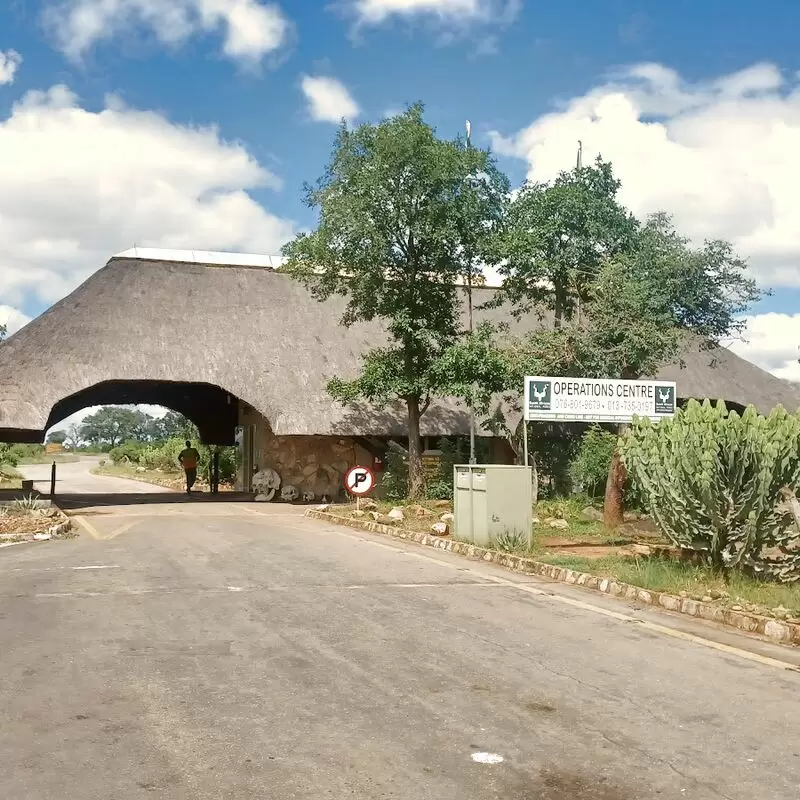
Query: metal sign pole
pixel 525 439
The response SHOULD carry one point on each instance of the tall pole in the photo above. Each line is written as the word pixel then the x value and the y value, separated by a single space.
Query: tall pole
pixel 472 459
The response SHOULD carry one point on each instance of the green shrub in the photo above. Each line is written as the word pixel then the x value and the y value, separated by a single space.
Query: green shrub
pixel 394 479
pixel 8 455
pixel 227 464
pixel 163 457
pixel 712 482
pixel 589 468
pixel 127 453
pixel 440 490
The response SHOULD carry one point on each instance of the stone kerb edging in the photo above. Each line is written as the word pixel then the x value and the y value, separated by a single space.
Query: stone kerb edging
pixel 53 532
pixel 776 630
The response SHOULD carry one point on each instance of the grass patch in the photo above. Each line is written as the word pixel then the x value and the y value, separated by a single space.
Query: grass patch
pixel 170 480
pixel 673 577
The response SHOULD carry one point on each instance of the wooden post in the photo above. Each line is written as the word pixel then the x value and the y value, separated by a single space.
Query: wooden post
pixel 53 481
pixel 215 479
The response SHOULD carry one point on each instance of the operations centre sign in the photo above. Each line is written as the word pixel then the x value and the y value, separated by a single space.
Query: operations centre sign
pixel 597 399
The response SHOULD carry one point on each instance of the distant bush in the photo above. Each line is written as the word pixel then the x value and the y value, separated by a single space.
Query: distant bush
pixel 164 456
pixel 127 453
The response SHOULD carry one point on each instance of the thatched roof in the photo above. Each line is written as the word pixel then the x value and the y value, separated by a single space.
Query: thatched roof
pixel 259 336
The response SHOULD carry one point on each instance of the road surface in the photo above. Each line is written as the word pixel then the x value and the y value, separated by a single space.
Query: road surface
pixel 76 478
pixel 182 650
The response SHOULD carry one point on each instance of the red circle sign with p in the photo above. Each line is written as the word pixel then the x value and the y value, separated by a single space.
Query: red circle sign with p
pixel 359 481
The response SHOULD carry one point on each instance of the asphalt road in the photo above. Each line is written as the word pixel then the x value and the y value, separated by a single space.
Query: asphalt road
pixel 76 477
pixel 191 650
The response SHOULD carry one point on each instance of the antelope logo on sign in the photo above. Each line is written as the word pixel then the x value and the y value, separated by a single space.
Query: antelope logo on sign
pixel 540 394
pixel 665 400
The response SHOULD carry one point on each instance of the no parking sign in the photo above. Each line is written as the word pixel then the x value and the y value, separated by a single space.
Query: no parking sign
pixel 359 481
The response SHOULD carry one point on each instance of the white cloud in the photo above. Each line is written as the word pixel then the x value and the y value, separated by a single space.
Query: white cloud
pixel 328 99
pixel 10 61
pixel 79 186
pixel 773 342
pixel 252 29
pixel 12 318
pixel 722 156
pixel 450 16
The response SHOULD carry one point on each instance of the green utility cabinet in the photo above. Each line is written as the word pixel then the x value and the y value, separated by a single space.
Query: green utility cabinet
pixel 491 499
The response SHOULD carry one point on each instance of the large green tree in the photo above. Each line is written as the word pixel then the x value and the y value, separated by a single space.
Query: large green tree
pixel 112 425
pixel 641 308
pixel 56 437
pixel 403 216
pixel 557 235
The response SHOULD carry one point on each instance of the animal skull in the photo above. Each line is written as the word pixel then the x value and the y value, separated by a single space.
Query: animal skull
pixel 539 394
pixel 289 493
pixel 266 480
pixel 664 396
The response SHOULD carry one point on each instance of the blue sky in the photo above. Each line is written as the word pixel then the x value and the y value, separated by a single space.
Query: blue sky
pixel 193 123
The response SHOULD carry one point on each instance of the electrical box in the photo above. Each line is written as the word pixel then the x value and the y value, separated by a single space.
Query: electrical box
pixel 490 500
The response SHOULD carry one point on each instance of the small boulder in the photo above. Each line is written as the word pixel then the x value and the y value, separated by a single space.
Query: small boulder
pixel 447 517
pixel 536 521
pixel 42 537
pixel 558 524
pixel 441 504
pixel 375 515
pixel 323 507
pixel 141 469
pixel 591 514
pixel 397 514
pixel 641 550
pixel 359 514
pixel 780 612
pixel 440 528
pixel 418 511
pixel 368 505
pixel 387 520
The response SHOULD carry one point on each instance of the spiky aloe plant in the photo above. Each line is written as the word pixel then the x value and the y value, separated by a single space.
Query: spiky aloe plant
pixel 28 503
pixel 712 479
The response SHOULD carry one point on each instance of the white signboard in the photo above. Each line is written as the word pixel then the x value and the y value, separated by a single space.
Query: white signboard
pixel 597 399
pixel 359 481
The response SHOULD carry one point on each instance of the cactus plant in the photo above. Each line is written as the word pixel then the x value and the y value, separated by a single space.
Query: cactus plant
pixel 712 482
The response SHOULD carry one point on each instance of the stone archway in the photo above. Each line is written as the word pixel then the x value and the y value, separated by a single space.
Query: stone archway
pixel 212 409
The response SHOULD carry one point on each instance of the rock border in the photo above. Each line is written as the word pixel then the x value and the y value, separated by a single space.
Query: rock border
pixel 777 631
pixel 55 531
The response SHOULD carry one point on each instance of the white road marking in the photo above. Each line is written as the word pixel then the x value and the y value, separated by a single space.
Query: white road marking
pixel 487 758
pixel 100 566
pixel 88 527
pixel 569 601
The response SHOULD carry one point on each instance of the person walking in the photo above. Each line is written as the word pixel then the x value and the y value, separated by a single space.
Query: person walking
pixel 189 458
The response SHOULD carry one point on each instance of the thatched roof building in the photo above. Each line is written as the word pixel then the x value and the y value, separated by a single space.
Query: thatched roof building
pixel 198 332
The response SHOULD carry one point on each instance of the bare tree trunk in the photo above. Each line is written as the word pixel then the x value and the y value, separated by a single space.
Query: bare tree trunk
pixel 614 506
pixel 416 479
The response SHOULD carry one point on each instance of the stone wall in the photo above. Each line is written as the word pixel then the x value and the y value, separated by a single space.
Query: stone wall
pixel 311 463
